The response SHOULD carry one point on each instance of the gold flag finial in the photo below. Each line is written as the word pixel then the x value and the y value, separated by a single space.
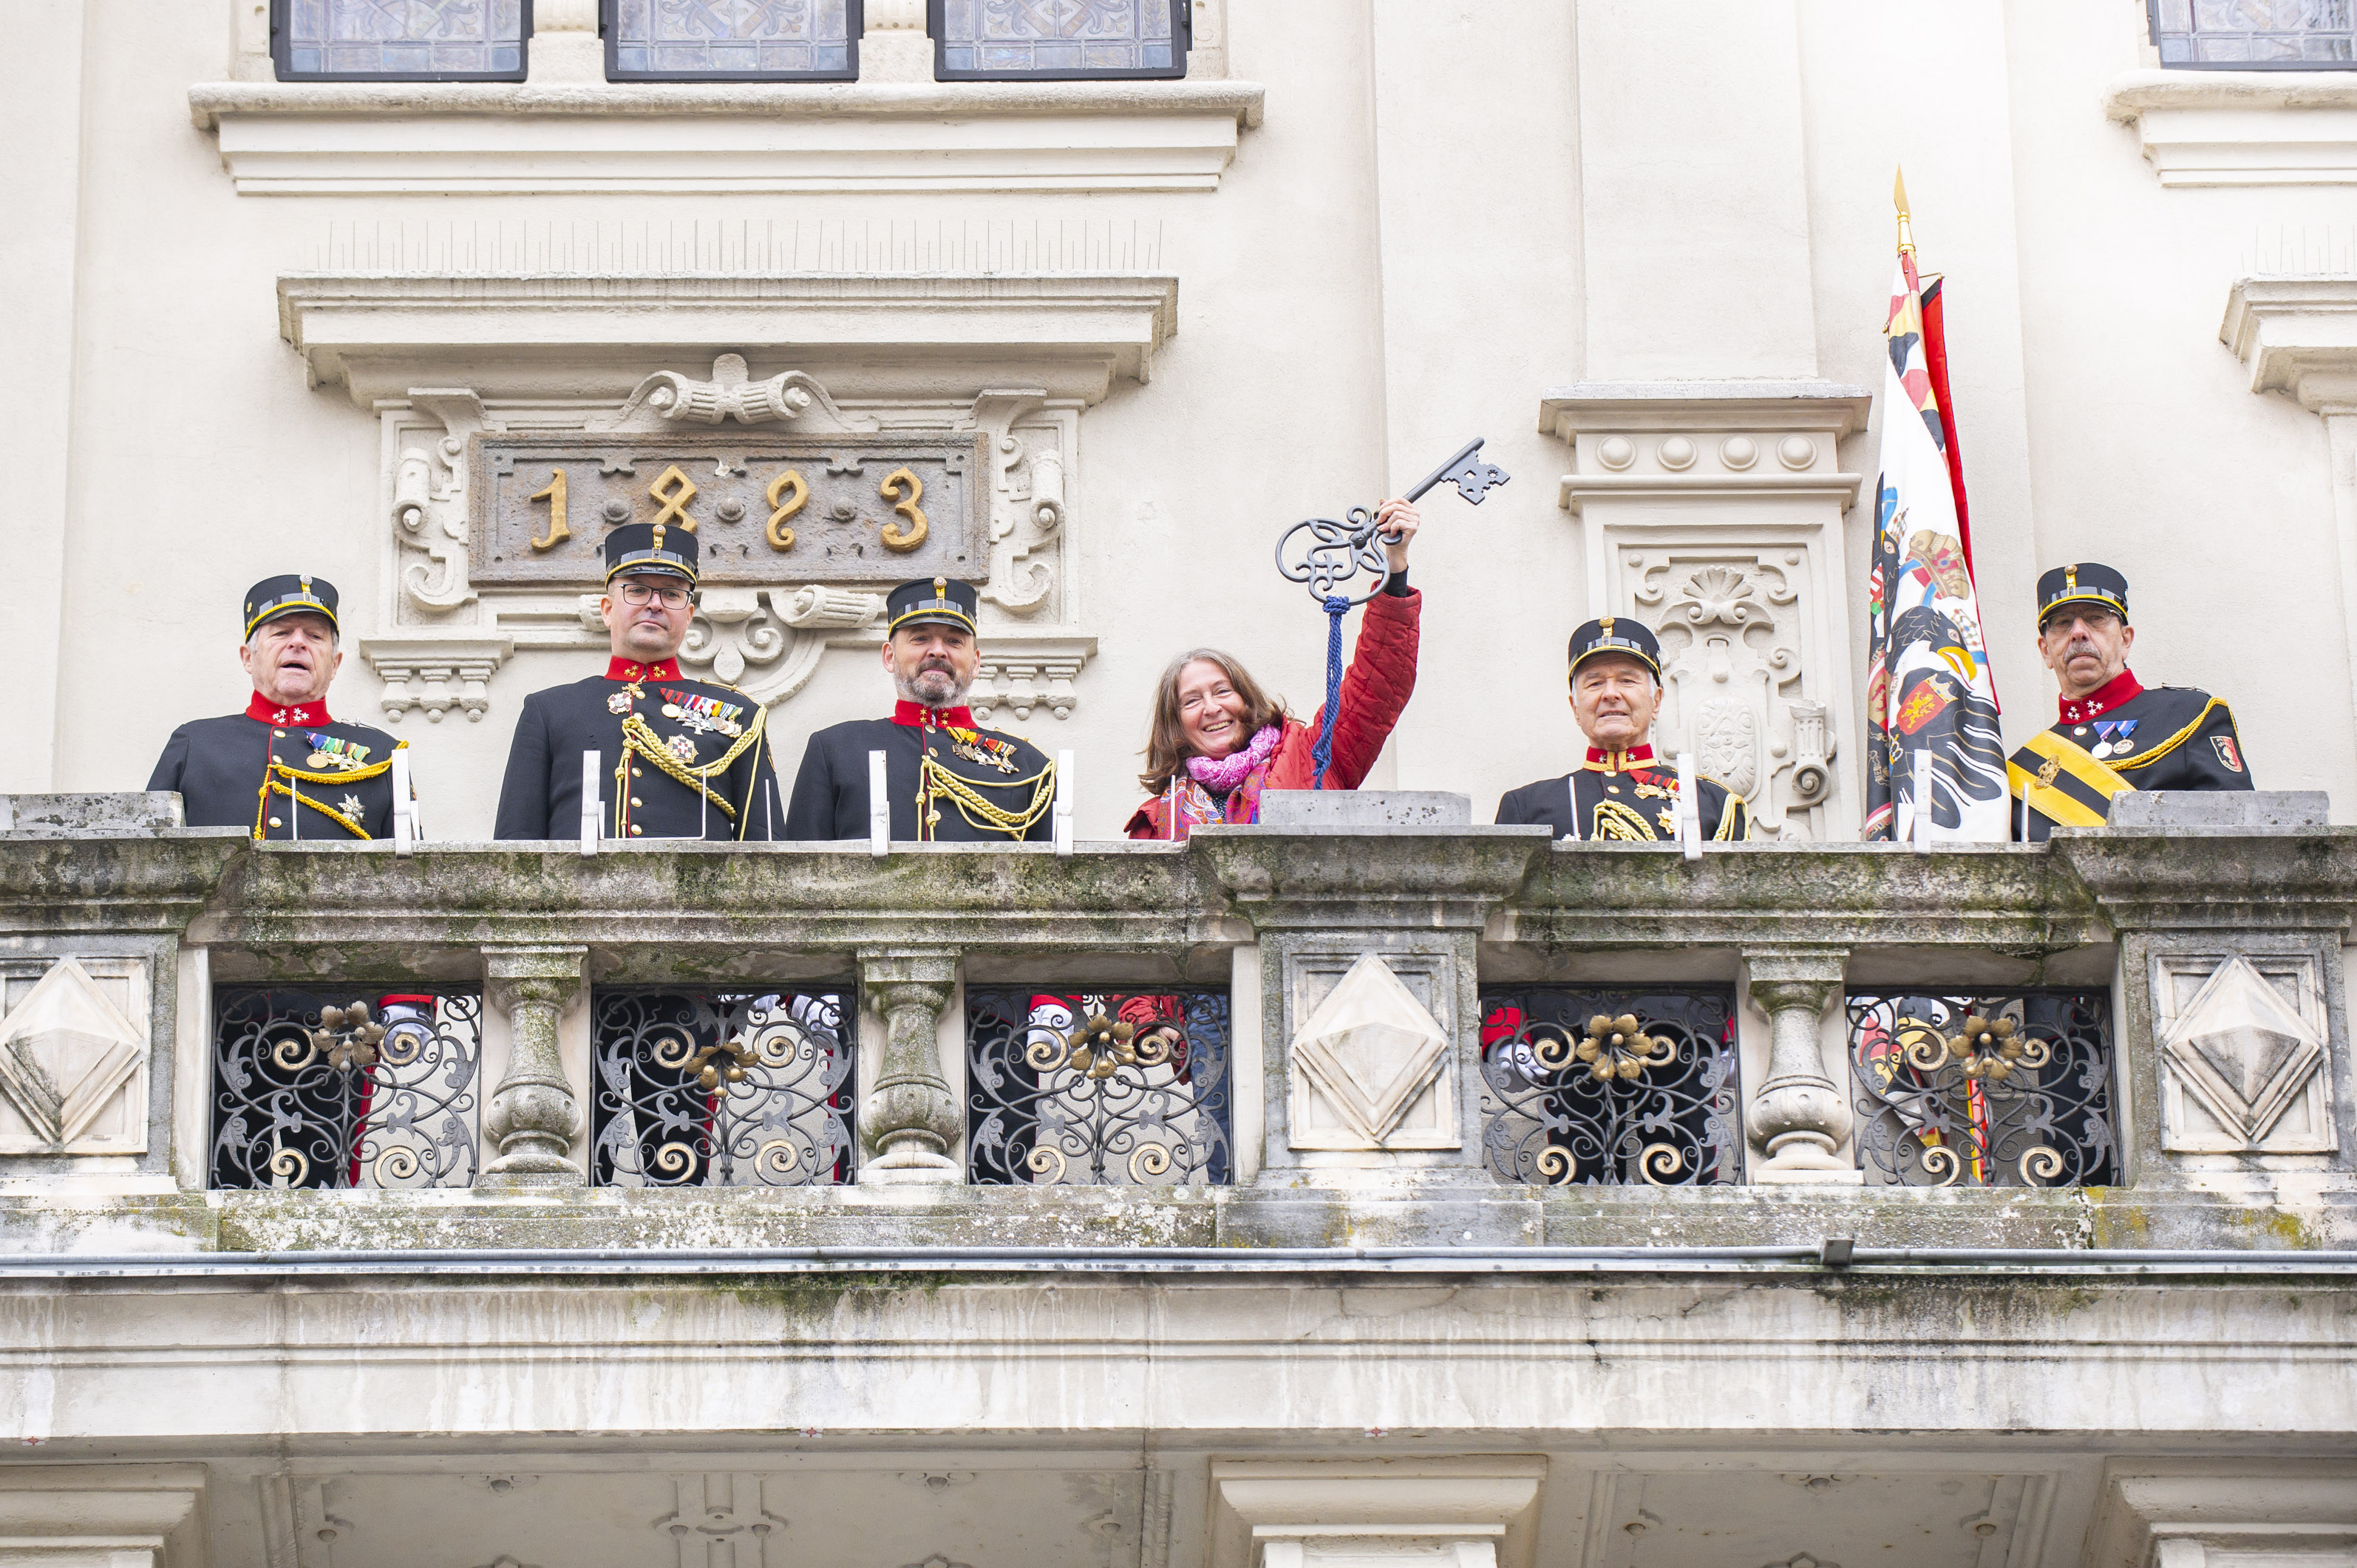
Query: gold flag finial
pixel 1898 201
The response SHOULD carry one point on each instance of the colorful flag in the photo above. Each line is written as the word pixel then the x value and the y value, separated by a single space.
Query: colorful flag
pixel 1928 683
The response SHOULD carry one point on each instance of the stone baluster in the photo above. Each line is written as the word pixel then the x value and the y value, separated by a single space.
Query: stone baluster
pixel 909 1118
pixel 533 1114
pixel 1800 1115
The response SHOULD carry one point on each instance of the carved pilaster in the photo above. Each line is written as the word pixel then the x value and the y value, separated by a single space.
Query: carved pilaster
pixel 1800 1115
pixel 909 1118
pixel 1712 512
pixel 533 1114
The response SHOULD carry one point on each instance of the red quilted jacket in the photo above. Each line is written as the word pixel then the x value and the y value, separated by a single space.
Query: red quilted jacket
pixel 1376 685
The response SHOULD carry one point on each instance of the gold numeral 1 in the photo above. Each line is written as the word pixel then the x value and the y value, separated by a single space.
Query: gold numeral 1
pixel 554 496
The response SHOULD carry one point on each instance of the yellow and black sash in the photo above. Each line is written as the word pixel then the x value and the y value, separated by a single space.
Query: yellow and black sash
pixel 2063 781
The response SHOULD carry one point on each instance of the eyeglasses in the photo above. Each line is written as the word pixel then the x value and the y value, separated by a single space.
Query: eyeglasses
pixel 635 594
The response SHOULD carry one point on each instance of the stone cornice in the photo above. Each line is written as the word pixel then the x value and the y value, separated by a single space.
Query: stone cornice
pixel 1704 441
pixel 2014 900
pixel 702 911
pixel 698 909
pixel 380 333
pixel 1582 407
pixel 210 103
pixel 2298 334
pixel 1281 878
pixel 457 138
pixel 2242 127
pixel 150 883
pixel 2257 879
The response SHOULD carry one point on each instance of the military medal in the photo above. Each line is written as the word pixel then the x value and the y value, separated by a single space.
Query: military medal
pixel 976 746
pixel 327 751
pixel 703 715
pixel 351 806
pixel 619 703
pixel 681 746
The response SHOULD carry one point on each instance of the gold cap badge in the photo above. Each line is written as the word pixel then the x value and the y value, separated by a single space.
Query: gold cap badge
pixel 2070 579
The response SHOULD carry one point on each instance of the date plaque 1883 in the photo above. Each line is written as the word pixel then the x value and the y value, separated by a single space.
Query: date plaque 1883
pixel 835 508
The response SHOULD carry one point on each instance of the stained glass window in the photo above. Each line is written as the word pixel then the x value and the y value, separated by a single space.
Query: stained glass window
pixel 1057 40
pixel 2255 34
pixel 399 40
pixel 732 40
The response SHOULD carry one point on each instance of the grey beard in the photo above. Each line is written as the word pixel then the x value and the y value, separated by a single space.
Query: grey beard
pixel 910 694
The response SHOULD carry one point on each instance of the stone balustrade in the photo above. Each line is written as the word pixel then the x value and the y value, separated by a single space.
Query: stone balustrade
pixel 1270 1035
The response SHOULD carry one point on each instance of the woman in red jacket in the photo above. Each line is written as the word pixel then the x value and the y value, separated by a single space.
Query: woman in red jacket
pixel 1220 741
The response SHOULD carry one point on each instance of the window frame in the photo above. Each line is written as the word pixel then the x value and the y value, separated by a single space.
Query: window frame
pixel 1182 44
pixel 2152 37
pixel 855 22
pixel 282 47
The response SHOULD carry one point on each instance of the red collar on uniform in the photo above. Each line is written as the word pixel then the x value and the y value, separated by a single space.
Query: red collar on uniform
pixel 2102 699
pixel 269 713
pixel 631 670
pixel 1603 761
pixel 915 715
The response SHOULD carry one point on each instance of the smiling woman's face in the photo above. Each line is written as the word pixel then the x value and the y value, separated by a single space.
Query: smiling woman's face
pixel 1210 711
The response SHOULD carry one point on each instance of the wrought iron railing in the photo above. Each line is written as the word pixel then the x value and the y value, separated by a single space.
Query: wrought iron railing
pixel 354 1087
pixel 721 1089
pixel 1070 1087
pixel 1984 1088
pixel 1610 1087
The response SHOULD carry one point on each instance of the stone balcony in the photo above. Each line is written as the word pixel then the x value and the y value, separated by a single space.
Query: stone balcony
pixel 1340 1038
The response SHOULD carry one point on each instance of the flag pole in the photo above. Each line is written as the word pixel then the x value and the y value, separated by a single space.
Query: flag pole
pixel 1898 201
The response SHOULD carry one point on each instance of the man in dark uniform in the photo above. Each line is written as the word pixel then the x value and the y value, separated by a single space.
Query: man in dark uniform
pixel 948 780
pixel 677 759
pixel 283 768
pixel 2114 735
pixel 1623 792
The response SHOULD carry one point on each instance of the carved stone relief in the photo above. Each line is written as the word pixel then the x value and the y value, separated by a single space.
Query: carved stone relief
pixel 721 1523
pixel 1730 623
pixel 1371 1063
pixel 470 482
pixel 74 1056
pixel 2244 1047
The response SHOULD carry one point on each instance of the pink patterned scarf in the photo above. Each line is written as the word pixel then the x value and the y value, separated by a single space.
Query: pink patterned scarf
pixel 1223 774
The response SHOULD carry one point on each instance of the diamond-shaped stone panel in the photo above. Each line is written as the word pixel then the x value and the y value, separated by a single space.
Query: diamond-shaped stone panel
pixel 1371 1048
pixel 2242 1051
pixel 65 1052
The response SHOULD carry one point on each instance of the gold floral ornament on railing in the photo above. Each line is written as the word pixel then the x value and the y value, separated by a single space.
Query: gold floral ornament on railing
pixel 1103 1046
pixel 1991 1048
pixel 348 1037
pixel 1619 1048
pixel 726 1058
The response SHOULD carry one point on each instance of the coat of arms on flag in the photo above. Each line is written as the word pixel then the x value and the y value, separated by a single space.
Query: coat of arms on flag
pixel 1928 684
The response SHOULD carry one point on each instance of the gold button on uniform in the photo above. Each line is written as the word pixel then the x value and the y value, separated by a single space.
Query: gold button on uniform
pixel 636 828
pixel 274 823
pixel 636 801
pixel 638 773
